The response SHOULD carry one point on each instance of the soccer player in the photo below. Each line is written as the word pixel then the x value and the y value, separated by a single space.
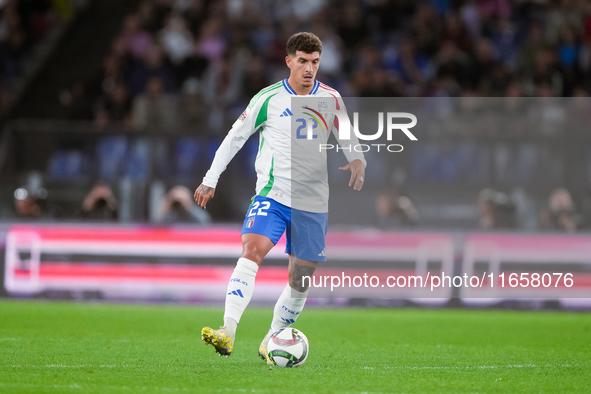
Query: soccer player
pixel 273 211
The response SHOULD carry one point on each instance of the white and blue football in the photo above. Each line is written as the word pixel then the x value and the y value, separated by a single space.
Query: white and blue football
pixel 288 347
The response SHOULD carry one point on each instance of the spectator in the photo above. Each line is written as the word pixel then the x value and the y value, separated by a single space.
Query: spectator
pixel 195 12
pixel 121 53
pixel 568 52
pixel 529 50
pixel 455 31
pixel 176 39
pixel 137 40
pixel 179 45
pixel 381 84
pixel 161 10
pixel 490 10
pixel 178 206
pixel 394 210
pixel 255 78
pixel 30 205
pixel 351 25
pixel 192 110
pixel 116 105
pixel 100 203
pixel 497 211
pixel 560 214
pixel 546 72
pixel 564 14
pixel 482 72
pixel 470 17
pixel 111 74
pixel 147 17
pixel 154 107
pixel 426 29
pixel 152 65
pixel 506 37
pixel 452 63
pixel 12 53
pixel 568 49
pixel 22 24
pixel 332 51
pixel 411 67
pixel 211 43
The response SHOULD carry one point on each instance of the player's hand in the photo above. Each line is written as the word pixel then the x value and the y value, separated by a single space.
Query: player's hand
pixel 203 194
pixel 357 169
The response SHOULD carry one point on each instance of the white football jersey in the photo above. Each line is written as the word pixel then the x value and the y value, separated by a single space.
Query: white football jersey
pixel 270 113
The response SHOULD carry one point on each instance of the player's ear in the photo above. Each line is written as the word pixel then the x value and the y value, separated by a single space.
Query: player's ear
pixel 288 61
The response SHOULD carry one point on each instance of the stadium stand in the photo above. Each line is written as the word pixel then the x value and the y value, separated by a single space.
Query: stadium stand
pixel 200 61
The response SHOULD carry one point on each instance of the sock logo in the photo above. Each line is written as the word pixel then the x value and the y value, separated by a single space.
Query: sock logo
pixel 286 309
pixel 242 282
pixel 236 292
pixel 290 321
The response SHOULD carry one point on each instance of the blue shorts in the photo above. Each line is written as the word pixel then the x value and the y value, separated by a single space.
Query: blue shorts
pixel 305 231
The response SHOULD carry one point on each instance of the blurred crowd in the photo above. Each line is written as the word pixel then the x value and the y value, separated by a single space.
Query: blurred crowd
pixel 501 211
pixel 101 204
pixel 178 63
pixel 191 66
pixel 23 23
pixel 393 210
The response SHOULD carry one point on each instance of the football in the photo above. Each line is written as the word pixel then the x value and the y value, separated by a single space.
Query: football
pixel 288 347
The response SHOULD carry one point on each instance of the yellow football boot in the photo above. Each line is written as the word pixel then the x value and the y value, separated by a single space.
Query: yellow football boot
pixel 263 349
pixel 221 340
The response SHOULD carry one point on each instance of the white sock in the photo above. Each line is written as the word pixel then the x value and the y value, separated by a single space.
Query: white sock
pixel 287 309
pixel 239 293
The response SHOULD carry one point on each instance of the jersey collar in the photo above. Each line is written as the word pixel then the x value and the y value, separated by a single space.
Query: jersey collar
pixel 291 91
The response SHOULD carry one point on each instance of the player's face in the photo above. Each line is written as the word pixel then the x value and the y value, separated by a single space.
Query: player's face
pixel 304 67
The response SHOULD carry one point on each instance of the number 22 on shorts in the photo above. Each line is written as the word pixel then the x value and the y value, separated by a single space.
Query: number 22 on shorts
pixel 255 210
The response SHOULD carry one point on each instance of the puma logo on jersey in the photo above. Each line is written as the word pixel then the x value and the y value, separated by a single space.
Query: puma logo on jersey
pixel 287 112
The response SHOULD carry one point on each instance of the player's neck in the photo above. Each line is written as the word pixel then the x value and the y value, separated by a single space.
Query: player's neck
pixel 299 89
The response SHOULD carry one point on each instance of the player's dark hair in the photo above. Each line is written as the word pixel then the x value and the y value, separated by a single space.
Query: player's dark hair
pixel 305 42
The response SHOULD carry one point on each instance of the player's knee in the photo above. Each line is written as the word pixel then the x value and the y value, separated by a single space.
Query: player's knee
pixel 252 252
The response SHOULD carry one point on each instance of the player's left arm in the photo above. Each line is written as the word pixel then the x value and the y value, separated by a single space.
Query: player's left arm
pixel 356 159
pixel 203 194
pixel 357 168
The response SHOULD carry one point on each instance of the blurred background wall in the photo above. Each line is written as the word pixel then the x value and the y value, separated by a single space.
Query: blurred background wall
pixel 111 112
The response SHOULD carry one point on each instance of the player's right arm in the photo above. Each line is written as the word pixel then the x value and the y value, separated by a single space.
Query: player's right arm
pixel 246 125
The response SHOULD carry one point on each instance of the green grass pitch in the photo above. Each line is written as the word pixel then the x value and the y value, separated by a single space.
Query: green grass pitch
pixel 51 347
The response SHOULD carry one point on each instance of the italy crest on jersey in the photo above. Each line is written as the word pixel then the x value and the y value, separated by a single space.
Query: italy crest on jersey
pixel 250 222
